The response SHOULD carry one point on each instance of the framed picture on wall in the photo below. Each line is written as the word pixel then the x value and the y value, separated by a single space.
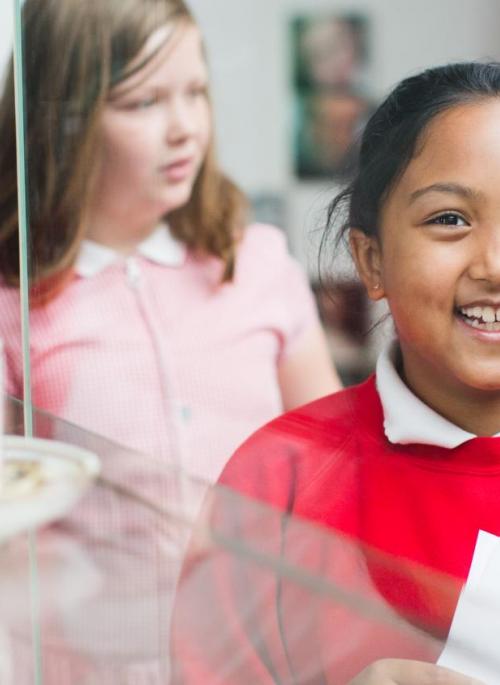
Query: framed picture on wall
pixel 332 102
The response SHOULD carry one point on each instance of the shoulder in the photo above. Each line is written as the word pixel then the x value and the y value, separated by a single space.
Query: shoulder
pixel 8 293
pixel 301 443
pixel 263 258
pixel 262 234
pixel 263 240
pixel 10 305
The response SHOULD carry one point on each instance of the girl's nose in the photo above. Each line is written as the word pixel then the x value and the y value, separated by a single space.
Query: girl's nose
pixel 486 262
pixel 180 122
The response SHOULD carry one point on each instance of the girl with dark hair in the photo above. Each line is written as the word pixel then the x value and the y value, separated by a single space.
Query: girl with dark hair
pixel 159 318
pixel 402 471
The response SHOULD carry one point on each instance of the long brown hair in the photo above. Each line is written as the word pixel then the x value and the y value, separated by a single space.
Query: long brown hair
pixel 75 52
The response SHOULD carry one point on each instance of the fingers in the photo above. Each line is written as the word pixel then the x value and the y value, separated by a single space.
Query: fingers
pixel 407 672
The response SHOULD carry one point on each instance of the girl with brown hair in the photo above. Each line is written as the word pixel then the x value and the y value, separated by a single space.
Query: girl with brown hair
pixel 159 319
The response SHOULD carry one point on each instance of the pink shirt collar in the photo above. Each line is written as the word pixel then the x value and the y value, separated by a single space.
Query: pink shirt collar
pixel 160 247
pixel 406 418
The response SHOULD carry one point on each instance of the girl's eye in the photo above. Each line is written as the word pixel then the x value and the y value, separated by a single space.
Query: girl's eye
pixel 144 103
pixel 448 219
pixel 140 103
pixel 198 91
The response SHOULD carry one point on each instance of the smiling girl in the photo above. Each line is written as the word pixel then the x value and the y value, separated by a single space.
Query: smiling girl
pixel 159 318
pixel 403 471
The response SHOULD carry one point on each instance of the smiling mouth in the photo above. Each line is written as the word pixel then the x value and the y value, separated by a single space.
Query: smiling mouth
pixel 483 318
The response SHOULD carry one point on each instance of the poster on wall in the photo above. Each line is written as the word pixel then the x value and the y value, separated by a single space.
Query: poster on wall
pixel 332 100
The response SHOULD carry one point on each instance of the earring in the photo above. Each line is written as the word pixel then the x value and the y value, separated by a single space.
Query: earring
pixel 376 286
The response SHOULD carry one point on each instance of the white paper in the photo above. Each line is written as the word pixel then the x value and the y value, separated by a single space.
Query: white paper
pixel 473 645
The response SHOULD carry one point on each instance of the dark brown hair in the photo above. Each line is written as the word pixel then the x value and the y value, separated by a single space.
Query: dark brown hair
pixel 392 135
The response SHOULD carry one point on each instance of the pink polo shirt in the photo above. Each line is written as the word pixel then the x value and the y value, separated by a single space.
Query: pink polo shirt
pixel 153 353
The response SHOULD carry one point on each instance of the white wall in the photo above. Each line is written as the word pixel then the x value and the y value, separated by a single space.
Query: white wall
pixel 248 51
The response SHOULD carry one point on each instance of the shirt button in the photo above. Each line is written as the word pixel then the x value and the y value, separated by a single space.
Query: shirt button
pixel 133 271
pixel 185 412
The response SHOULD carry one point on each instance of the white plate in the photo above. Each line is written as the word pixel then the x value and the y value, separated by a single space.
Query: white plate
pixel 42 480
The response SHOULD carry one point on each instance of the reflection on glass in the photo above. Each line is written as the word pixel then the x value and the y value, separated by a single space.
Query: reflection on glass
pixel 17 657
pixel 387 529
pixel 292 602
pixel 264 597
pixel 300 603
pixel 106 574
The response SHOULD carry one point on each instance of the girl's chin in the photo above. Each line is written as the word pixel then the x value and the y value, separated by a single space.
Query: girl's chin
pixel 487 382
pixel 176 201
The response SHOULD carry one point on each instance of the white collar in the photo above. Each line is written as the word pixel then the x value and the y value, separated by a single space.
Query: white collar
pixel 159 247
pixel 406 418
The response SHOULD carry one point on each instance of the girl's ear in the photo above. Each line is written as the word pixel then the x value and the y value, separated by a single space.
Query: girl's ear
pixel 368 259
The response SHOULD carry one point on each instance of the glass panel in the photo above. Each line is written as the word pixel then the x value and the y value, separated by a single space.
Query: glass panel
pixel 18 634
pixel 13 257
pixel 17 657
pixel 108 569
pixel 266 597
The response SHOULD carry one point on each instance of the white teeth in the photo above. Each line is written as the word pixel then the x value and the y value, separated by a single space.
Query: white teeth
pixel 474 323
pixel 484 315
pixel 488 314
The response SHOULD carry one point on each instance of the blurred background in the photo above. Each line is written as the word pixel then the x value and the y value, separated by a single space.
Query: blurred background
pixel 293 83
pixel 293 78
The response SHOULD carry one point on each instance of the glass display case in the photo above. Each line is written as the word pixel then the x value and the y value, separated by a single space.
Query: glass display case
pixel 126 589
pixel 95 605
pixel 127 583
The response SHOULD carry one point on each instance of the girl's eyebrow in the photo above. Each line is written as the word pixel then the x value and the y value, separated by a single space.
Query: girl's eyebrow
pixel 451 188
pixel 119 92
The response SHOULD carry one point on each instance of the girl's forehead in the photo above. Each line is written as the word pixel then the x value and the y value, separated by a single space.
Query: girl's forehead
pixel 459 134
pixel 460 145
pixel 160 47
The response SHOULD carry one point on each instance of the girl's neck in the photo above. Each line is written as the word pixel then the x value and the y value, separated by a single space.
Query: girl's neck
pixel 120 234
